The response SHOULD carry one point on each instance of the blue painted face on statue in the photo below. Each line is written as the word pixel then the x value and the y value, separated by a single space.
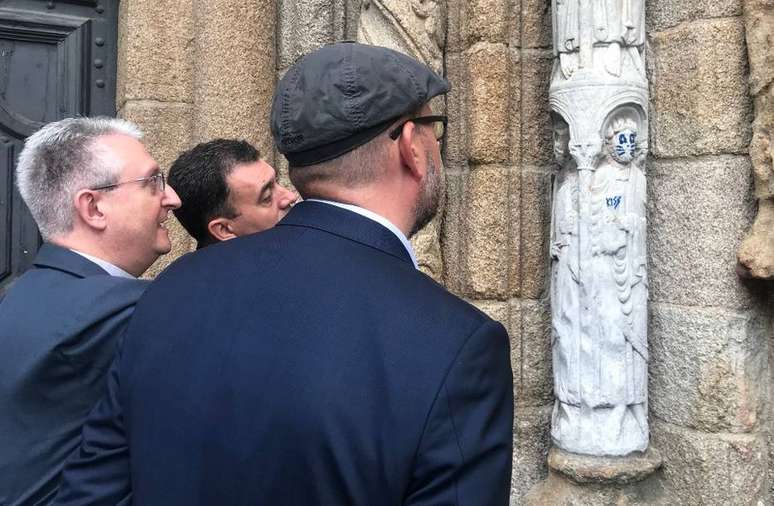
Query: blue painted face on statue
pixel 624 146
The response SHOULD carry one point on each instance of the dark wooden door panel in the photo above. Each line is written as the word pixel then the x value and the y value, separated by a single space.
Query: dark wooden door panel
pixel 57 60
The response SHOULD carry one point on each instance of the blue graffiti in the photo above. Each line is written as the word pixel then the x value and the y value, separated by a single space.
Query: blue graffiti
pixel 614 202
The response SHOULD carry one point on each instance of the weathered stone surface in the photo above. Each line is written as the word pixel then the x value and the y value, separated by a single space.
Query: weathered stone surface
pixel 558 490
pixel 661 14
pixel 756 253
pixel 427 248
pixel 531 209
pixel 708 367
pixel 530 332
pixel 534 24
pixel 488 103
pixel 452 233
pixel 484 21
pixel 167 131
pixel 304 25
pixel 697 213
pixel 699 97
pixel 624 470
pixel 702 468
pixel 455 144
pixel 531 442
pixel 533 111
pixel 759 25
pixel 487 243
pixel 496 310
pixel 155 51
pixel 233 100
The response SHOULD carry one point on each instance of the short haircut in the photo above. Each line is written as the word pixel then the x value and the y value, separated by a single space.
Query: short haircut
pixel 354 169
pixel 63 158
pixel 359 167
pixel 199 178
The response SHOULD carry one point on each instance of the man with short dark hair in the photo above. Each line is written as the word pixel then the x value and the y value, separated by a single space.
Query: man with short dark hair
pixel 313 363
pixel 100 202
pixel 227 191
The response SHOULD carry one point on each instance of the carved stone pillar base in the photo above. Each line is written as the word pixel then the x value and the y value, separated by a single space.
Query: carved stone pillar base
pixel 580 480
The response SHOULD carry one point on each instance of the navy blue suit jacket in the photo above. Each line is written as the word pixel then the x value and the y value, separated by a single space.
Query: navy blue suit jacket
pixel 59 326
pixel 307 365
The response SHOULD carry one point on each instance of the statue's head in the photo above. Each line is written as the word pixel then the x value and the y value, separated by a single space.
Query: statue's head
pixel 622 140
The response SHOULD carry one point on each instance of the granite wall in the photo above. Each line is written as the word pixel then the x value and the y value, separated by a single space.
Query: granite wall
pixel 191 70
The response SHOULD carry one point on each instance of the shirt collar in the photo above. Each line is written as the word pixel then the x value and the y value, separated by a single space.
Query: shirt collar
pixel 107 266
pixel 377 218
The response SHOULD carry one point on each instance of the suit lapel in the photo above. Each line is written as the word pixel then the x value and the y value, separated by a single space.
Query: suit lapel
pixel 346 224
pixel 51 256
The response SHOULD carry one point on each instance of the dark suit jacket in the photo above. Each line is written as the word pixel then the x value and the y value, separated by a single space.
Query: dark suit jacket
pixel 307 365
pixel 59 325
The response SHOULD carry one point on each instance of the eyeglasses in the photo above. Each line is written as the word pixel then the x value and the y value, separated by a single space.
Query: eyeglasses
pixel 439 125
pixel 158 179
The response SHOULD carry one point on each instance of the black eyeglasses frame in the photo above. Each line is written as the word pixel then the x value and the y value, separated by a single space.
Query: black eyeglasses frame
pixel 395 133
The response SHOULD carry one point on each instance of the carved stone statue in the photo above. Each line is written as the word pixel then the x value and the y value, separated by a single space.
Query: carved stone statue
pixel 416 28
pixel 599 300
pixel 580 25
pixel 599 95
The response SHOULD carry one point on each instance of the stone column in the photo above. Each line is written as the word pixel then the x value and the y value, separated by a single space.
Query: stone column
pixel 599 98
pixel 234 71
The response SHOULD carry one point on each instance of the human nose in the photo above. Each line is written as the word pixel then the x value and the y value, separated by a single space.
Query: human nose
pixel 288 198
pixel 170 199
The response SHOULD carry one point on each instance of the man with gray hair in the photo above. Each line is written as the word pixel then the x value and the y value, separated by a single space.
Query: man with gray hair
pixel 100 202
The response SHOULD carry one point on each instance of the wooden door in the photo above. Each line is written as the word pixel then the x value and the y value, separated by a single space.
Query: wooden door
pixel 57 60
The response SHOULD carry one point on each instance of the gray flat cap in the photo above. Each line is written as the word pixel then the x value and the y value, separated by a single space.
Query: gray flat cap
pixel 342 96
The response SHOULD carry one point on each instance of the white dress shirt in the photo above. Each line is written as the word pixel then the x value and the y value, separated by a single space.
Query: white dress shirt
pixel 377 218
pixel 107 266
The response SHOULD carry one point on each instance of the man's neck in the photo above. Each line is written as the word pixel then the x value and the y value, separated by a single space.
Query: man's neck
pixel 397 212
pixel 91 251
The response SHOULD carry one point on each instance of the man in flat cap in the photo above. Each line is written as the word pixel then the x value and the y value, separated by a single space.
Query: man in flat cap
pixel 316 365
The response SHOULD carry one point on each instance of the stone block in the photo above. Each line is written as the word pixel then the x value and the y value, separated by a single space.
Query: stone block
pixel 531 209
pixel 235 75
pixel 532 112
pixel 756 253
pixel 702 468
pixel 167 132
pixel 484 21
pixel 708 367
pixel 488 103
pixel 304 25
pixel 455 145
pixel 530 332
pixel 699 91
pixel 759 24
pixel 661 14
pixel 488 248
pixel 531 442
pixel 534 22
pixel 496 310
pixel 427 248
pixel 698 211
pixel 155 51
pixel 452 232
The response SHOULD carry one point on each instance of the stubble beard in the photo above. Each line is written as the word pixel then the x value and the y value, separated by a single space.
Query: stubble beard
pixel 430 197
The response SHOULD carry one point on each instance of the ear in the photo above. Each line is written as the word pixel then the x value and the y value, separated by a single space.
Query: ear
pixel 90 207
pixel 220 229
pixel 411 151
